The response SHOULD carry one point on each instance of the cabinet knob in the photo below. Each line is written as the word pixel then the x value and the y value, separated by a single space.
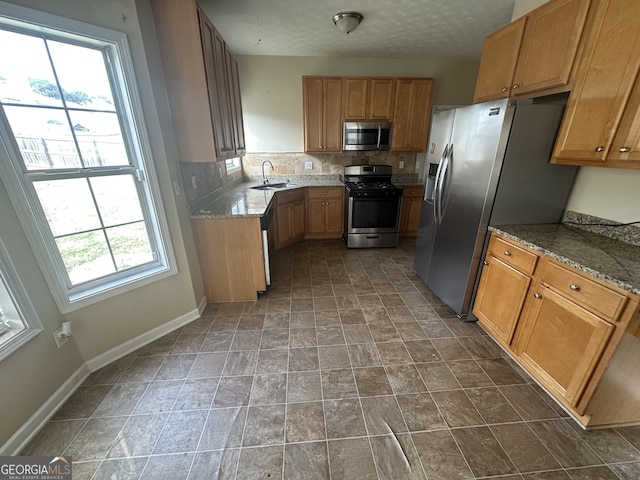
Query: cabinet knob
pixel 599 148
pixel 574 287
pixel 485 262
pixel 504 89
pixel 624 149
pixel 507 253
pixel 516 85
pixel 325 194
pixel 537 295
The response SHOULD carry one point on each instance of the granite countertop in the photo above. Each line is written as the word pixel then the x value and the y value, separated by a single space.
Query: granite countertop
pixel 243 201
pixel 613 261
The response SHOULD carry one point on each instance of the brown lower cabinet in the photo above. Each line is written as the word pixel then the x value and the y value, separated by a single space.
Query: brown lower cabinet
pixel 410 210
pixel 325 212
pixel 290 217
pixel 575 335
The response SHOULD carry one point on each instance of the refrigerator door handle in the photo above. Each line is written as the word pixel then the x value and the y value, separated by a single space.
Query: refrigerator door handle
pixel 437 182
pixel 441 180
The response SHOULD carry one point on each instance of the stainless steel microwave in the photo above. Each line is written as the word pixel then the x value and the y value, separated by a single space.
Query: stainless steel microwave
pixel 367 135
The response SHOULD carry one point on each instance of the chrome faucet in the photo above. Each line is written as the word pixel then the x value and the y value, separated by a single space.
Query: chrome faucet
pixel 265 180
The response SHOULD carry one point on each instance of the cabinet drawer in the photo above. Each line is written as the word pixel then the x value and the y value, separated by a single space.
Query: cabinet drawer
pixel 591 295
pixel 513 255
pixel 290 196
pixel 324 192
pixel 412 191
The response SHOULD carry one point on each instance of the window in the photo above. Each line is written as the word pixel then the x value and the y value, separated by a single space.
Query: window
pixel 18 319
pixel 71 124
pixel 233 164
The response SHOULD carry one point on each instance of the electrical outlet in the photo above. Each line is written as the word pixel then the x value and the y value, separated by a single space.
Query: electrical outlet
pixel 176 187
pixel 194 182
pixel 308 165
pixel 60 340
pixel 401 165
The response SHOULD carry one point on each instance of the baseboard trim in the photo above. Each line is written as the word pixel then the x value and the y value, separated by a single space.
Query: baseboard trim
pixel 129 346
pixel 202 305
pixel 31 427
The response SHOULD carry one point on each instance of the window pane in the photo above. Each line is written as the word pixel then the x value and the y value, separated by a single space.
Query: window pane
pixel 28 82
pixel 82 76
pixel 86 256
pixel 68 205
pixel 99 138
pixel 44 138
pixel 117 199
pixel 130 245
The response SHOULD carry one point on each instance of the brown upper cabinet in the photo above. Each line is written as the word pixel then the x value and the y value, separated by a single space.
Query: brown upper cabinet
pixel 535 53
pixel 322 106
pixel 601 126
pixel 202 83
pixel 368 99
pixel 412 114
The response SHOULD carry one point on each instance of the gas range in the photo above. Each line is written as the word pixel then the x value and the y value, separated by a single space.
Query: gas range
pixel 370 181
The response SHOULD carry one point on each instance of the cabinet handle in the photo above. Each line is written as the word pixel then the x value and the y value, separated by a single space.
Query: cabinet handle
pixel 507 253
pixel 504 89
pixel 485 263
pixel 574 287
pixel 599 148
pixel 624 149
pixel 516 85
pixel 537 295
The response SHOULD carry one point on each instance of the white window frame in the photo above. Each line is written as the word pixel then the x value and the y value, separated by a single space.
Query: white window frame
pixel 21 190
pixel 233 164
pixel 27 316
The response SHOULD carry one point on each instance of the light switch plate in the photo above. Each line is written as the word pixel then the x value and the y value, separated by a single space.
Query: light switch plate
pixel 308 165
pixel 401 165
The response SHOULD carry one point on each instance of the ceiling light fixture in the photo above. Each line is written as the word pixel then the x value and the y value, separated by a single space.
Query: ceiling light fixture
pixel 347 21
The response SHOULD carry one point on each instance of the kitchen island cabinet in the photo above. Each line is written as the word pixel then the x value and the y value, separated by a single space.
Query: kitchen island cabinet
pixel 602 122
pixel 412 114
pixel 410 210
pixel 368 99
pixel 322 113
pixel 566 328
pixel 325 211
pixel 535 53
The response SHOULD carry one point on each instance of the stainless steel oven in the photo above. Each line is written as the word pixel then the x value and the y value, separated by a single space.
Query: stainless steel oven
pixel 372 207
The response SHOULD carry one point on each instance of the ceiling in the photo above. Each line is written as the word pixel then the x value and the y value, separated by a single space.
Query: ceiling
pixel 391 28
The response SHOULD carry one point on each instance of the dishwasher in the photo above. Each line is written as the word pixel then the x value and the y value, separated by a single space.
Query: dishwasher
pixel 267 226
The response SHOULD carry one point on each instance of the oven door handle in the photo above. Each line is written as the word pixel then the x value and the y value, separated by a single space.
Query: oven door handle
pixel 441 180
pixel 436 194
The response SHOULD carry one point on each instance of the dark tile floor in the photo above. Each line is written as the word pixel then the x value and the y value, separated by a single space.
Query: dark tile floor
pixel 347 369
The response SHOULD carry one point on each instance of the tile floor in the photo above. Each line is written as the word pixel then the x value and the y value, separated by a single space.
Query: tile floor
pixel 347 369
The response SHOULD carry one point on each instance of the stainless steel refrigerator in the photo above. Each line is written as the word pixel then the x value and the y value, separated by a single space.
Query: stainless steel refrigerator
pixel 487 164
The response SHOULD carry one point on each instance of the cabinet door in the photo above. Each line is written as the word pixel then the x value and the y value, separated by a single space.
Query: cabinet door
pixel 605 80
pixel 501 295
pixel 222 124
pixel 549 45
pixel 356 95
pixel 313 127
pixel 283 224
pixel 410 216
pixel 332 114
pixel 236 120
pixel 297 219
pixel 316 216
pixel 381 99
pixel 561 342
pixel 412 113
pixel 625 150
pixel 498 62
pixel 334 210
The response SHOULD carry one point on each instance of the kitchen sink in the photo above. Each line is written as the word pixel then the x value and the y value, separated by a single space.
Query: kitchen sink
pixel 273 186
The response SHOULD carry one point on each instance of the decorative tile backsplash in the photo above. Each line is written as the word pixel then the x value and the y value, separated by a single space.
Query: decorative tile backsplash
pixel 627 234
pixel 294 163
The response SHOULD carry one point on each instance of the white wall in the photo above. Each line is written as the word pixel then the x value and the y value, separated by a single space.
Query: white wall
pixel 271 89
pixel 612 194
pixel 33 373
